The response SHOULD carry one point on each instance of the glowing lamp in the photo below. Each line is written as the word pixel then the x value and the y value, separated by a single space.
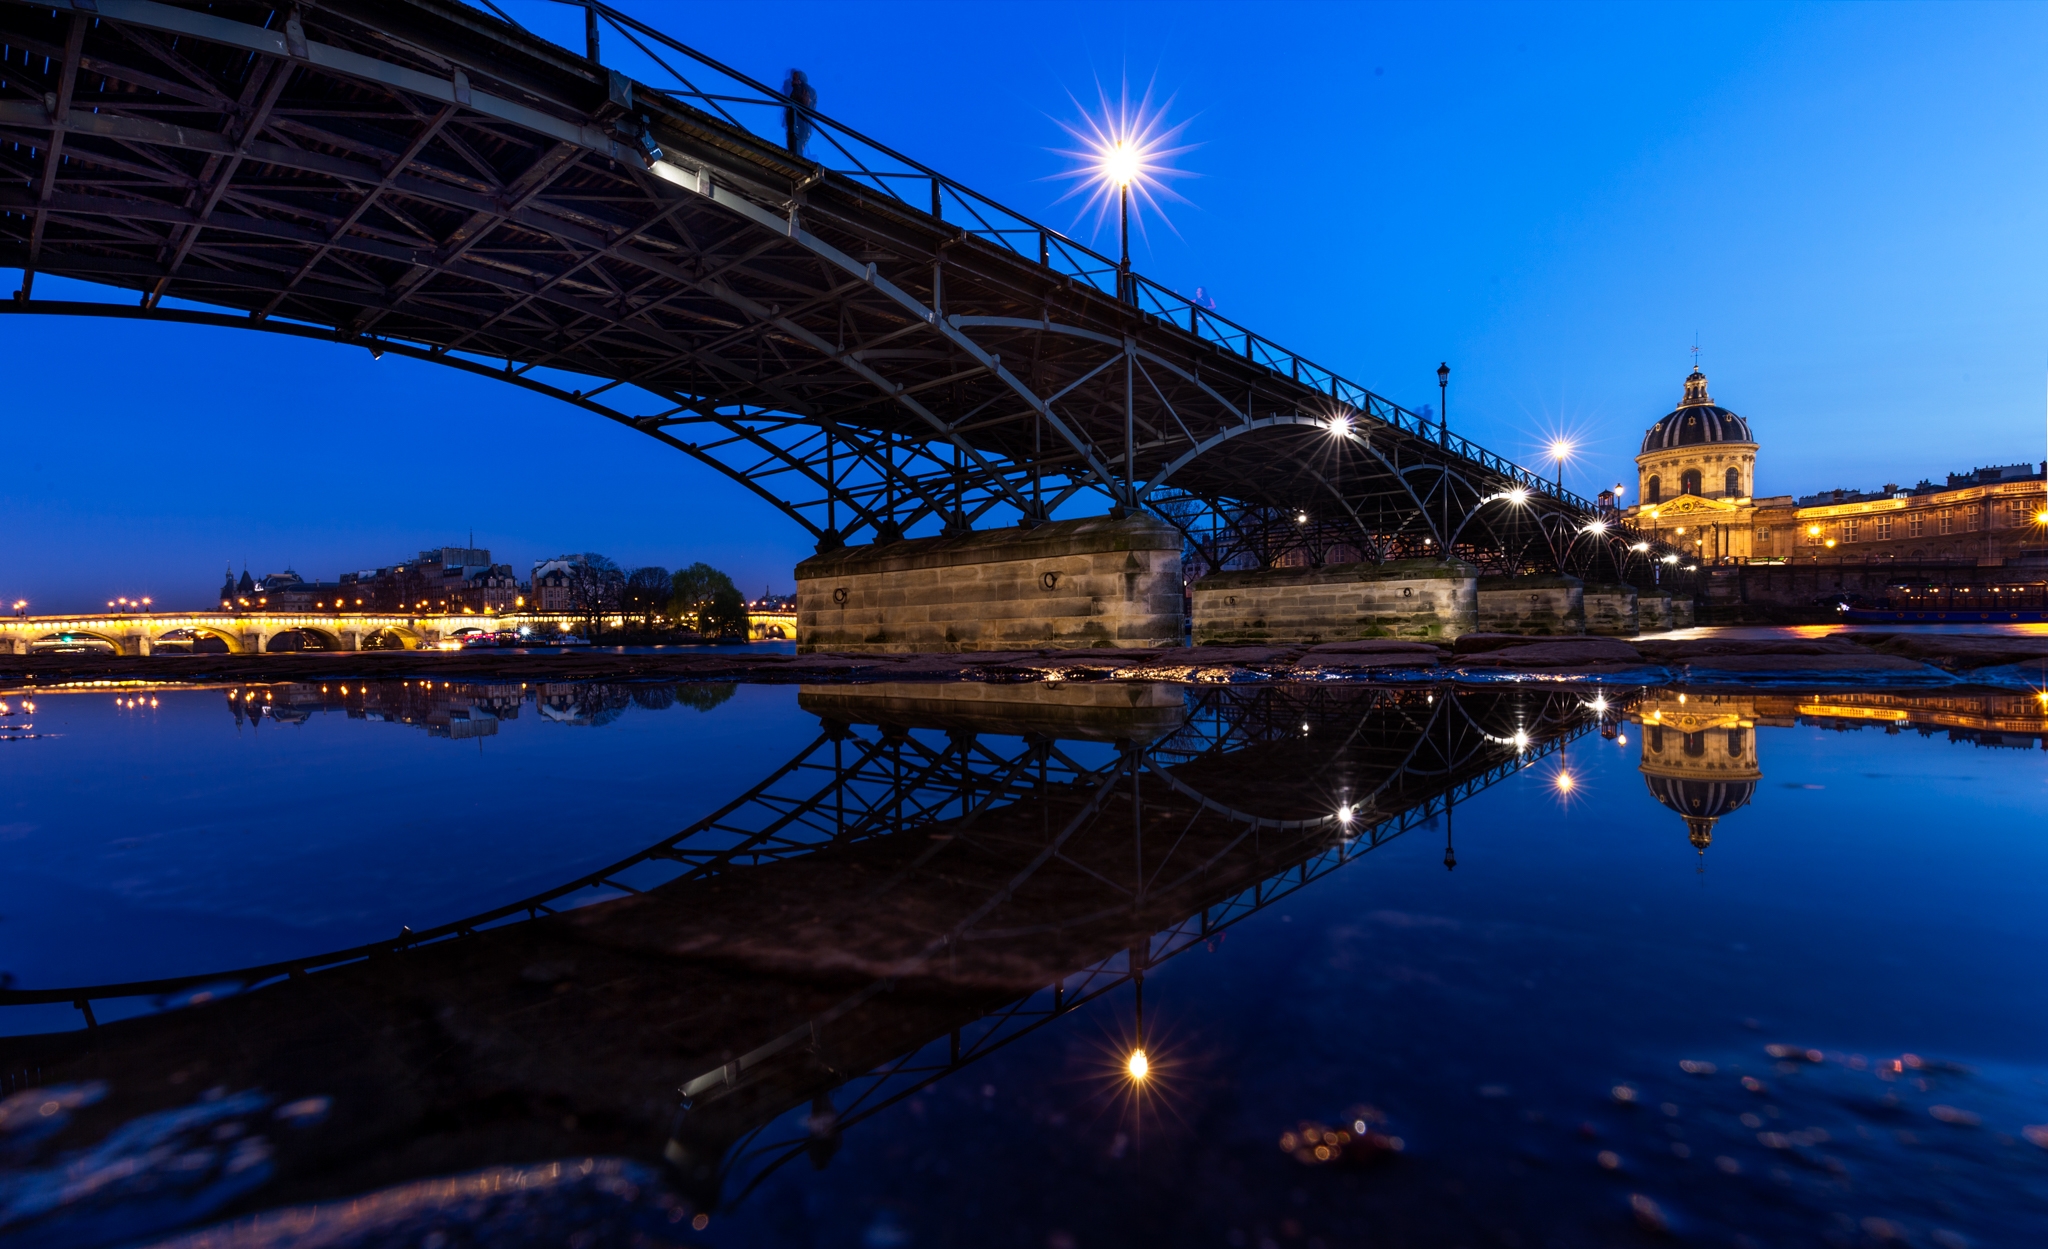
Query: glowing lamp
pixel 1518 496
pixel 1139 1066
pixel 1340 426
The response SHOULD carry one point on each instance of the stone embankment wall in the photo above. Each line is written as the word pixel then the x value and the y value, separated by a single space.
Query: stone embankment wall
pixel 1612 610
pixel 1539 605
pixel 1071 583
pixel 1400 599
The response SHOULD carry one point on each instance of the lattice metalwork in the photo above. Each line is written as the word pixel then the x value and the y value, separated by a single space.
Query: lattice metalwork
pixel 866 344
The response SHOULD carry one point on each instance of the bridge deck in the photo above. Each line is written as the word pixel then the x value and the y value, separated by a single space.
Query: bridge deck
pixel 865 343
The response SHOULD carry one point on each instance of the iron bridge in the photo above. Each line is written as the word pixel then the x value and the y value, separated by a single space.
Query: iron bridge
pixel 866 344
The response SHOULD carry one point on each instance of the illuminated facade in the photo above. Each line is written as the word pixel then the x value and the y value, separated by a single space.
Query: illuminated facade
pixel 1696 475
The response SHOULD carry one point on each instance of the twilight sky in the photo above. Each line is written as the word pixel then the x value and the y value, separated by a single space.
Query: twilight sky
pixel 1845 204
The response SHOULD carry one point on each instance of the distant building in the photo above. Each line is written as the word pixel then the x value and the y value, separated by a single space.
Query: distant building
pixel 283 591
pixel 1696 472
pixel 554 583
pixel 445 579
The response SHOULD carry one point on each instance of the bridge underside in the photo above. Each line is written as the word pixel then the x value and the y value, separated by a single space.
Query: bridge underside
pixel 869 346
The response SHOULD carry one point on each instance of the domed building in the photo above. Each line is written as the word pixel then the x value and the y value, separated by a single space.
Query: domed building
pixel 1699 758
pixel 1696 478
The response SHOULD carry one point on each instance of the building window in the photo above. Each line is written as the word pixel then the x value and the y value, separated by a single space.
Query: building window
pixel 1852 531
pixel 1734 484
pixel 1916 526
pixel 1948 520
pixel 1884 529
pixel 1970 517
pixel 1689 482
pixel 1763 536
pixel 1654 492
pixel 2017 512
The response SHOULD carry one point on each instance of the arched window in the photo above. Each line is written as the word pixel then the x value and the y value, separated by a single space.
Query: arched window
pixel 1654 492
pixel 1734 489
pixel 1695 745
pixel 1656 739
pixel 1689 482
pixel 1737 739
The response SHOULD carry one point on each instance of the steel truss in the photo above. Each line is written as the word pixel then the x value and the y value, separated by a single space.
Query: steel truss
pixel 866 344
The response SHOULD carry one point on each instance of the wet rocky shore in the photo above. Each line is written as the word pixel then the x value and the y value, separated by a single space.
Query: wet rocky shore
pixel 1839 658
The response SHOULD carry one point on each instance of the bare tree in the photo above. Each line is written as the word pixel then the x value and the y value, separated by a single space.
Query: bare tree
pixel 595 587
pixel 647 593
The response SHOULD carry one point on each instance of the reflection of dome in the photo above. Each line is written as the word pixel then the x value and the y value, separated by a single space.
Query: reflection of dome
pixel 1696 420
pixel 1701 802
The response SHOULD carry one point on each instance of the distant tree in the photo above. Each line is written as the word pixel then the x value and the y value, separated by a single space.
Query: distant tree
pixel 708 601
pixel 647 594
pixel 595 587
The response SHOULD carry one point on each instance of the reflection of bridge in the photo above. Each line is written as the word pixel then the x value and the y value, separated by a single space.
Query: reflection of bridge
pixel 929 878
pixel 868 346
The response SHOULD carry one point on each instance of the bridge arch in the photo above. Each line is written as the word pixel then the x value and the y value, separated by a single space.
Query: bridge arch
pixel 294 639
pixel 63 640
pixel 185 633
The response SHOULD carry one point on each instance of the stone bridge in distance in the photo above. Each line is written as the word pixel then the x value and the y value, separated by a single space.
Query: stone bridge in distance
pixel 947 395
pixel 256 632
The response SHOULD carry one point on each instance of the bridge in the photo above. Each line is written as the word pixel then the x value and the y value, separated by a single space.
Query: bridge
pixel 885 356
pixel 720 1004
pixel 149 633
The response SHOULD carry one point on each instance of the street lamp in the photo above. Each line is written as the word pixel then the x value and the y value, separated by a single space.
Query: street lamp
pixel 1560 450
pixel 1122 162
pixel 1443 399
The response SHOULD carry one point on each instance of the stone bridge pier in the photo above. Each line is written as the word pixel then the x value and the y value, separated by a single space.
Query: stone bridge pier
pixel 1066 584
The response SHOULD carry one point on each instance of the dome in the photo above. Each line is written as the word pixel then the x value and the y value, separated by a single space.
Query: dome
pixel 1696 420
pixel 1701 802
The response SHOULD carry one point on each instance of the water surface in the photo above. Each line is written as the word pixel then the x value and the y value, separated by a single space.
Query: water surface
pixel 1533 966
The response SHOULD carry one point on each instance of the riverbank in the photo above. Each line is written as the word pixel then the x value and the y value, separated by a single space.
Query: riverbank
pixel 1859 657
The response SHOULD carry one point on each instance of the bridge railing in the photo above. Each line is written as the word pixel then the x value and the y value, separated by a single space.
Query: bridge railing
pixel 711 86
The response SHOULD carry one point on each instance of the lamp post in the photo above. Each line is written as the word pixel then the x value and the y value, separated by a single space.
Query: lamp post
pixel 1560 450
pixel 1123 264
pixel 1443 400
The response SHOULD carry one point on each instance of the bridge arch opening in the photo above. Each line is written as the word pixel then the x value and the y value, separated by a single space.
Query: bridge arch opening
pixel 393 638
pixel 303 638
pixel 74 642
pixel 195 640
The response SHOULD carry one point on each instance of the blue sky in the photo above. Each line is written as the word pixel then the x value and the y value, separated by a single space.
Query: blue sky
pixel 1844 203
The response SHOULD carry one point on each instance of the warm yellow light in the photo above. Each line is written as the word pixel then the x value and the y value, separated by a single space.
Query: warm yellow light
pixel 1560 449
pixel 1813 531
pixel 1565 782
pixel 1139 1066
pixel 1831 542
pixel 1122 162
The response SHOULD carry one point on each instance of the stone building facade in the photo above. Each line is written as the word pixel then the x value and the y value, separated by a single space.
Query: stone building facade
pixel 1696 474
